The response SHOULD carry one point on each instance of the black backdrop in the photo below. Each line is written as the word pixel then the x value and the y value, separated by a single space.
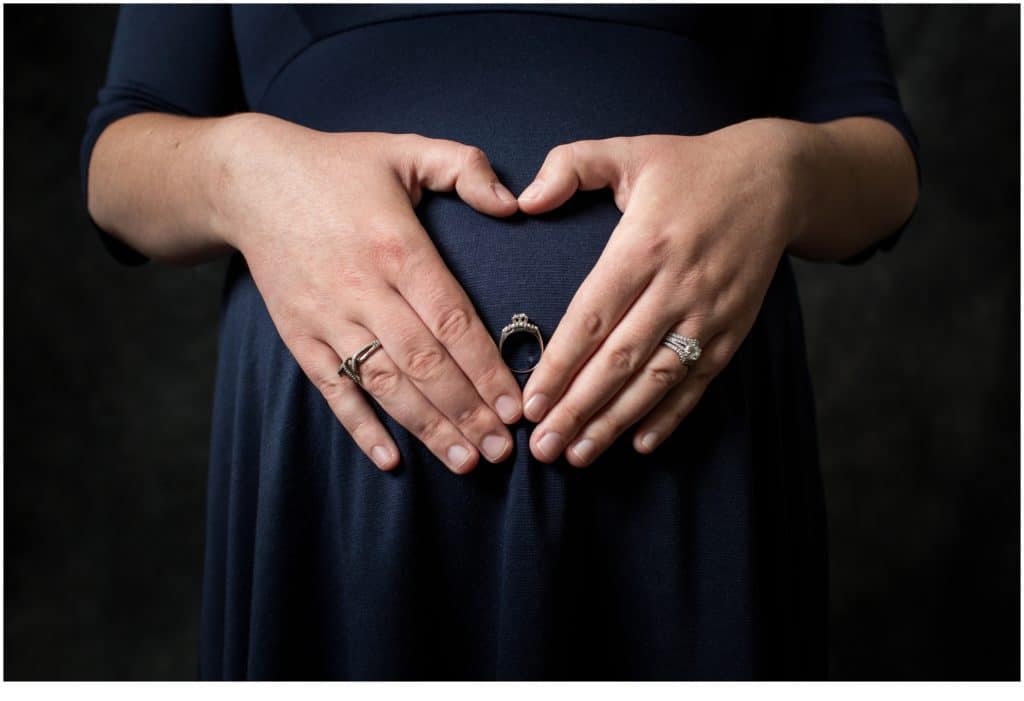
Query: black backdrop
pixel 108 382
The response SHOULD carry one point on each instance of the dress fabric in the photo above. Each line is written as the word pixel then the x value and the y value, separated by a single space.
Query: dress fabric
pixel 705 560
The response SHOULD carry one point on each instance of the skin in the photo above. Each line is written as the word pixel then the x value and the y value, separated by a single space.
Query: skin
pixel 327 227
pixel 705 222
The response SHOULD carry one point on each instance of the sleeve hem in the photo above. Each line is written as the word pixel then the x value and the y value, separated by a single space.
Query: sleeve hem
pixel 119 250
pixel 893 115
pixel 116 103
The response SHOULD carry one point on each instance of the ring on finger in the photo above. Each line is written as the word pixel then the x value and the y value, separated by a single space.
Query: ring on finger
pixel 350 365
pixel 687 348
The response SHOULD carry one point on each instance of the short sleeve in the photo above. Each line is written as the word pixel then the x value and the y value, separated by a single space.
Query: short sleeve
pixel 177 59
pixel 835 63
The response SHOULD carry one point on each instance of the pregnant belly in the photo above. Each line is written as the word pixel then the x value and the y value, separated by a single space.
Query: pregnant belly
pixel 516 85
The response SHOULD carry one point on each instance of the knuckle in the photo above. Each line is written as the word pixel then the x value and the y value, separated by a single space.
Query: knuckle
pixel 418 263
pixel 431 429
pixel 488 377
pixel 673 418
pixel 682 411
pixel 656 246
pixel 667 375
pixel 473 157
pixel 424 363
pixel 694 278
pixel 605 428
pixel 361 427
pixel 705 375
pixel 387 252
pixel 563 153
pixel 573 414
pixel 378 381
pixel 452 324
pixel 622 360
pixel 330 386
pixel 470 416
pixel 707 368
pixel 591 323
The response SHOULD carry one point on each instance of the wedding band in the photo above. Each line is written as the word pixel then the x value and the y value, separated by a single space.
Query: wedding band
pixel 688 349
pixel 521 324
pixel 350 365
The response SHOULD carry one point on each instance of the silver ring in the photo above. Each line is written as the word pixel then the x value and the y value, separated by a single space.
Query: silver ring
pixel 350 365
pixel 521 324
pixel 688 349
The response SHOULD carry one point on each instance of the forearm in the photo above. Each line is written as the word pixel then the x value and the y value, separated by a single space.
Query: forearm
pixel 855 182
pixel 153 183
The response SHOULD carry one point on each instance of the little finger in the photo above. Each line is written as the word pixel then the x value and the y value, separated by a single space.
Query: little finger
pixel 400 398
pixel 320 364
pixel 680 401
pixel 622 357
pixel 663 371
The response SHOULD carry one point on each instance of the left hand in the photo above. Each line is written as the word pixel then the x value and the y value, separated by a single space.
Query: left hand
pixel 705 222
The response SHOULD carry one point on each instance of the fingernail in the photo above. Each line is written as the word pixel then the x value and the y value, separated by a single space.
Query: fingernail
pixel 502 192
pixel 550 445
pixel 532 192
pixel 457 455
pixel 585 449
pixel 649 440
pixel 380 455
pixel 494 446
pixel 536 407
pixel 508 408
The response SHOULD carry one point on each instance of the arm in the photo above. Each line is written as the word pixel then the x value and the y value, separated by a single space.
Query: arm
pixel 175 169
pixel 705 222
pixel 856 182
pixel 327 228
pixel 167 213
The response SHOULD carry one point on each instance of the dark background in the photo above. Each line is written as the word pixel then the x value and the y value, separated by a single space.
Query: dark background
pixel 108 382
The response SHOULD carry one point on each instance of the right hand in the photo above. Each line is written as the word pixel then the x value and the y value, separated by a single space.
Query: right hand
pixel 326 225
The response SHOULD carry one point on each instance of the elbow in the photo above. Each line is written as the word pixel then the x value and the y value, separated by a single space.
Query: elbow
pixel 909 178
pixel 897 162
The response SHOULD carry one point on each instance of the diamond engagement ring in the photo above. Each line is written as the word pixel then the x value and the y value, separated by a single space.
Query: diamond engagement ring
pixel 521 324
pixel 350 365
pixel 688 349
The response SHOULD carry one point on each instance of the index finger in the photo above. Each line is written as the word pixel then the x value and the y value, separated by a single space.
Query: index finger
pixel 445 308
pixel 600 302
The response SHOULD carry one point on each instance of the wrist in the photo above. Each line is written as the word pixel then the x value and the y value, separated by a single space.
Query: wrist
pixel 789 151
pixel 229 155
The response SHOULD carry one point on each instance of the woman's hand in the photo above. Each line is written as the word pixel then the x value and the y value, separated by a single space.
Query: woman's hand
pixel 326 225
pixel 705 222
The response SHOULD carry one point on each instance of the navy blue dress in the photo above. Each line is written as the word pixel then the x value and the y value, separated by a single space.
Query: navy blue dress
pixel 705 560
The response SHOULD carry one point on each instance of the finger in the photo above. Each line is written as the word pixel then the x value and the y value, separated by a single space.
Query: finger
pixel 580 165
pixel 619 359
pixel 641 394
pixel 440 301
pixel 443 165
pixel 680 401
pixel 598 305
pixel 320 364
pixel 400 398
pixel 422 359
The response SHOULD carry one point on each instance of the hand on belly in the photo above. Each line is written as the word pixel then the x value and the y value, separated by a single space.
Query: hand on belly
pixel 705 222
pixel 327 227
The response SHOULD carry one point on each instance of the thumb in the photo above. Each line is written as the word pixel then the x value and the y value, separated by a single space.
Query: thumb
pixel 442 165
pixel 580 165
